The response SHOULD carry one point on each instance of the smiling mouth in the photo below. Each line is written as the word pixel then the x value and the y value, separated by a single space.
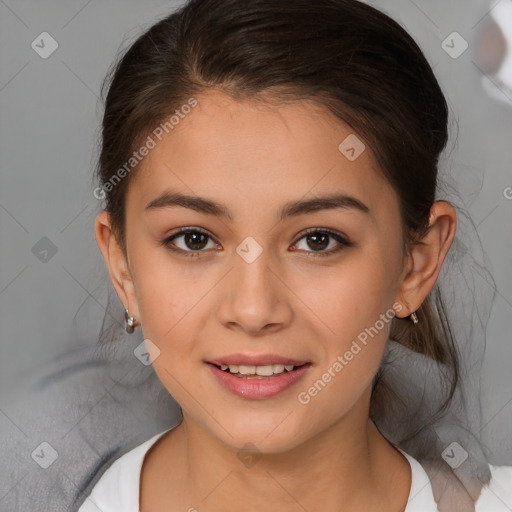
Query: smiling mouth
pixel 257 372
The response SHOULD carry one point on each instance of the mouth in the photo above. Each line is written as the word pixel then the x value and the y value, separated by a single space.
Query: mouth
pixel 258 381
pixel 257 372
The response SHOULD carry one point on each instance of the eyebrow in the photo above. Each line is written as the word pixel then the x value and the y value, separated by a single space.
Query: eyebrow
pixel 292 209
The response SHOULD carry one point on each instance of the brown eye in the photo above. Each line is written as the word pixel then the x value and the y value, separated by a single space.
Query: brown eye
pixel 189 241
pixel 195 240
pixel 318 240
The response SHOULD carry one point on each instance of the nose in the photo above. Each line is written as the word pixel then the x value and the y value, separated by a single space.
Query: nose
pixel 254 298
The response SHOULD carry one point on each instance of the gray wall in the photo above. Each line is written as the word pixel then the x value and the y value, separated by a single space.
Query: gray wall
pixel 49 123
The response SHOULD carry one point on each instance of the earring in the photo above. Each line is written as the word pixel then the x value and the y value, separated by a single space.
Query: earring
pixel 414 317
pixel 129 322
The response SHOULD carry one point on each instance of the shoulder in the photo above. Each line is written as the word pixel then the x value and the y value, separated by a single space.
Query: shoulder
pixel 119 487
pixel 496 496
pixel 421 496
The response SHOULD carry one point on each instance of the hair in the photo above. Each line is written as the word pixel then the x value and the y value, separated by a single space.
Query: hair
pixel 346 56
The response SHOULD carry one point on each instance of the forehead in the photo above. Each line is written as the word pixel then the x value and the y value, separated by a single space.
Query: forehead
pixel 263 154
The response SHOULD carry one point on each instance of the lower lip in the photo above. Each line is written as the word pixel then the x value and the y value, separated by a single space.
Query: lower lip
pixel 258 388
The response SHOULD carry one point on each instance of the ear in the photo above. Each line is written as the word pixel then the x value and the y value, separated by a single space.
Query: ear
pixel 116 262
pixel 425 258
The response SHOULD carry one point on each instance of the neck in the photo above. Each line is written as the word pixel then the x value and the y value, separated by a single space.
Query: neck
pixel 349 464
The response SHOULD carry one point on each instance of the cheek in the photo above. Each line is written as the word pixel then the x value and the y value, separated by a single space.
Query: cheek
pixel 169 295
pixel 356 305
pixel 173 305
pixel 352 297
pixel 350 361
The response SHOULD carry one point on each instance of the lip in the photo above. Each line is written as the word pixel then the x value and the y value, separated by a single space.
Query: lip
pixel 256 360
pixel 259 388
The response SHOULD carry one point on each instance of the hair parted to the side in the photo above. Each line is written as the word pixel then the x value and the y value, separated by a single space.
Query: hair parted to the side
pixel 345 55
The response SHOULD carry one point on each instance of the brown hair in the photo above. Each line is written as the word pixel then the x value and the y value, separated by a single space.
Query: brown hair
pixel 343 54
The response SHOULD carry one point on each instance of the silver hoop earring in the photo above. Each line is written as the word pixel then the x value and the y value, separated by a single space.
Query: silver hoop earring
pixel 414 317
pixel 129 324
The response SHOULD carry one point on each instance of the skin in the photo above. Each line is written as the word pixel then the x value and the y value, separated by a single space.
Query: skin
pixel 253 158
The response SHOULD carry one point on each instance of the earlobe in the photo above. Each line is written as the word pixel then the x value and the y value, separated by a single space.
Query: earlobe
pixel 425 259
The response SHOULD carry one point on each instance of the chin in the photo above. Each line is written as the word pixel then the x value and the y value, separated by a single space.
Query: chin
pixel 268 433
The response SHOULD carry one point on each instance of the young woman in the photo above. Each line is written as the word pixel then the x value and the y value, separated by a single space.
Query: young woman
pixel 270 172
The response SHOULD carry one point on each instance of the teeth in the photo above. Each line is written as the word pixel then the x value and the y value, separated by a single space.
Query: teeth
pixel 245 370
pixel 263 371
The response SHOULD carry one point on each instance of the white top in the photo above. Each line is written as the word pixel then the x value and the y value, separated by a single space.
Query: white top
pixel 118 488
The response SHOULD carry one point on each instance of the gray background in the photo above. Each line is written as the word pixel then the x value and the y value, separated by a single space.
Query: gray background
pixel 49 124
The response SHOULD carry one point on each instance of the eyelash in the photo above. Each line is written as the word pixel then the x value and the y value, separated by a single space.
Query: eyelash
pixel 342 240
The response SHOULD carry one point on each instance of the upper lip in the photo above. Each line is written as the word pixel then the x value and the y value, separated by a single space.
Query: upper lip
pixel 256 360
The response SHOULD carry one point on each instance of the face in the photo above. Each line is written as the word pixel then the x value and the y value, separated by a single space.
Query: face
pixel 264 284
